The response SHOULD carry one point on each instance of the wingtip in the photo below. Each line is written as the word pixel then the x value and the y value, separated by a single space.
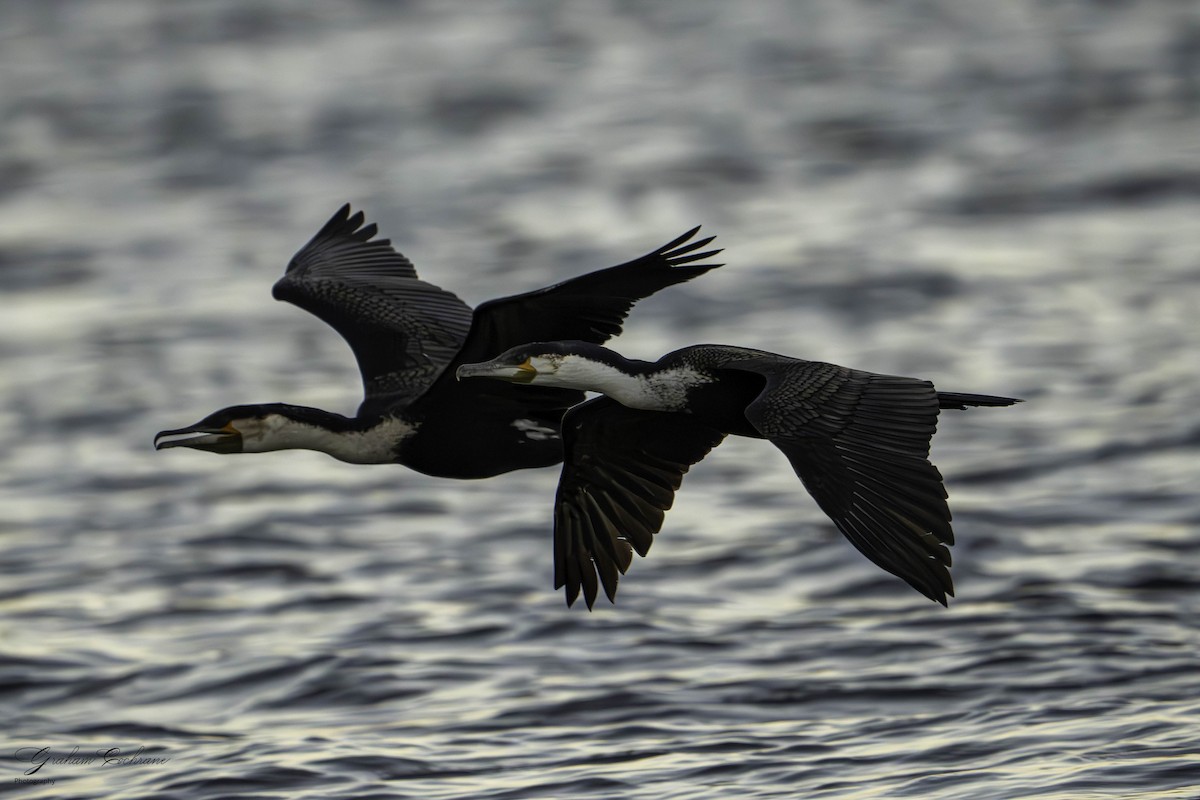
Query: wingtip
pixel 942 592
pixel 347 222
pixel 571 593
pixel 681 239
pixel 678 249
pixel 682 260
pixel 351 225
pixel 611 593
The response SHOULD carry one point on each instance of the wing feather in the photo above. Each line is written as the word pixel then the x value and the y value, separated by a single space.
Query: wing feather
pixel 609 502
pixel 860 444
pixel 590 308
pixel 403 331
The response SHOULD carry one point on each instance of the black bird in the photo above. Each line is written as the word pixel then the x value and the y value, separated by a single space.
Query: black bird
pixel 859 442
pixel 408 337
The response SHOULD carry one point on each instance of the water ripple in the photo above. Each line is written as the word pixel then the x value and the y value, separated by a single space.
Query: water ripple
pixel 995 201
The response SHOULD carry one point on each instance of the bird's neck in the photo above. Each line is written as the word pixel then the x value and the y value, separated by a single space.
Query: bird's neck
pixel 355 441
pixel 638 384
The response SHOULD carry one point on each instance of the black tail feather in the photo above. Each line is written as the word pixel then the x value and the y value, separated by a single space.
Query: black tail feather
pixel 960 401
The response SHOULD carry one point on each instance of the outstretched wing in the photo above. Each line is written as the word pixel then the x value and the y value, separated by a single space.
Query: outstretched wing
pixel 403 331
pixel 589 308
pixel 621 468
pixel 860 443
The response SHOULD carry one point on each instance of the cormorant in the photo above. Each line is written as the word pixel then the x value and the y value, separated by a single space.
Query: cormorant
pixel 858 441
pixel 408 337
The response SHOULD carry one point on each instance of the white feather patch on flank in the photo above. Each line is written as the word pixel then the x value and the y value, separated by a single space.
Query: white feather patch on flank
pixel 534 431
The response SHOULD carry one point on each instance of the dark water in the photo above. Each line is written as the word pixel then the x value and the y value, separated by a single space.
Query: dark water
pixel 1002 197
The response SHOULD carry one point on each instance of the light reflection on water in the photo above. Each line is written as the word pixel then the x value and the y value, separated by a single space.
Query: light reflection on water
pixel 955 204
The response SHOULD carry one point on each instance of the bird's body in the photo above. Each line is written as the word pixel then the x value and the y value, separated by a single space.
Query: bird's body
pixel 859 441
pixel 408 336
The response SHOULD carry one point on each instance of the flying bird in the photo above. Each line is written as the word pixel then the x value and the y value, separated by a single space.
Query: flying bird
pixel 408 337
pixel 859 442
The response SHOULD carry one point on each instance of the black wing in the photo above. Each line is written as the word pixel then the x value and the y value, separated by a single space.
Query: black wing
pixel 589 308
pixel 621 468
pixel 403 331
pixel 860 443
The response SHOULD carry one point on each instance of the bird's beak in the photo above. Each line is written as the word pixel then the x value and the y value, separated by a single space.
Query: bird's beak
pixel 214 440
pixel 519 373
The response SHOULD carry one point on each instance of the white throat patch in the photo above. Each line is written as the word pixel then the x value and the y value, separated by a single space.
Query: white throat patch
pixel 659 391
pixel 375 445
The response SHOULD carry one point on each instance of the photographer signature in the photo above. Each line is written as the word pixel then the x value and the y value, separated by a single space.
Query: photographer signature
pixel 39 757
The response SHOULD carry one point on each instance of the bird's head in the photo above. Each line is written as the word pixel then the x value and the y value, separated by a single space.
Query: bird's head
pixel 568 365
pixel 224 431
pixel 255 429
pixel 280 426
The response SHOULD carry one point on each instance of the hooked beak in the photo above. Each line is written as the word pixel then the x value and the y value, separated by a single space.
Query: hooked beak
pixel 519 373
pixel 214 440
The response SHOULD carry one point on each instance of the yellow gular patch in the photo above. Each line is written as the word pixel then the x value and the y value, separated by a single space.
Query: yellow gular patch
pixel 526 372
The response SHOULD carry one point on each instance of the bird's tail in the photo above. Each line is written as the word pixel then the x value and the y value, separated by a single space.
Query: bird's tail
pixel 960 401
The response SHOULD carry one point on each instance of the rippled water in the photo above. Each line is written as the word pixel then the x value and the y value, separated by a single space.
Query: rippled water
pixel 1000 197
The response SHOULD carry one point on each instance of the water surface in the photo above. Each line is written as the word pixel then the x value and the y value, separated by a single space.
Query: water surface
pixel 999 197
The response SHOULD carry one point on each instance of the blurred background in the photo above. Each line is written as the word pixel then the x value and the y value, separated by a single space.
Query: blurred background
pixel 999 197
